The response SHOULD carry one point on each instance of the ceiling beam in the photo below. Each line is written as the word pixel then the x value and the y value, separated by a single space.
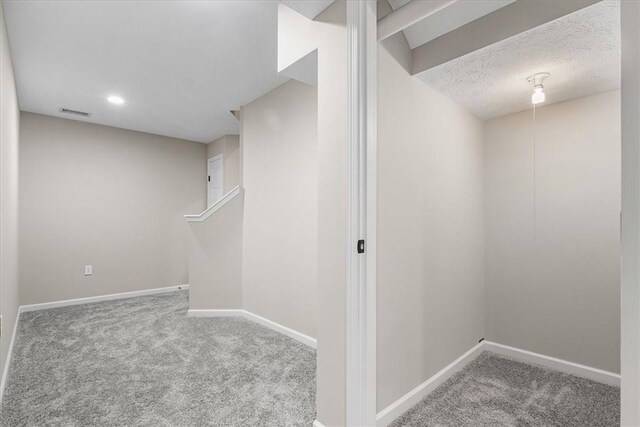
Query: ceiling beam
pixel 506 22
pixel 409 14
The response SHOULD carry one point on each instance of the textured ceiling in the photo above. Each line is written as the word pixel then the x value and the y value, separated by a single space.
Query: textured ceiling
pixel 179 65
pixel 580 50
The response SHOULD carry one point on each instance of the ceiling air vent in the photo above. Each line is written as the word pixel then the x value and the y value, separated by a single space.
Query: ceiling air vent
pixel 74 112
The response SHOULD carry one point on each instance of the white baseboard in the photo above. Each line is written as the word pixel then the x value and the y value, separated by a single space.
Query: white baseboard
pixel 576 369
pixel 400 406
pixel 304 339
pixel 7 363
pixel 299 336
pixel 88 300
pixel 317 423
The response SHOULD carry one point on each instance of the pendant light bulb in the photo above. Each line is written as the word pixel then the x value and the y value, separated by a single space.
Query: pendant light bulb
pixel 538 95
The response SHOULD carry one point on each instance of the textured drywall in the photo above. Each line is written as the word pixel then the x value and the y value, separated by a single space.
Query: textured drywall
pixel 553 247
pixel 580 50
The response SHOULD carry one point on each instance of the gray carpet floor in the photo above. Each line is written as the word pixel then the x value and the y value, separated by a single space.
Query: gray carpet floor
pixel 143 362
pixel 494 391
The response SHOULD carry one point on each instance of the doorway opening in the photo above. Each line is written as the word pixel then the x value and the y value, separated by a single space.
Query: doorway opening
pixel 215 179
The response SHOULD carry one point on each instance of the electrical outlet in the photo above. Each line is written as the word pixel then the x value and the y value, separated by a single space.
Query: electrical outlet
pixel 88 270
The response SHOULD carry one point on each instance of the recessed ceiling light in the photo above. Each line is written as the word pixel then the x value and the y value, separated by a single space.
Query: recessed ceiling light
pixel 114 99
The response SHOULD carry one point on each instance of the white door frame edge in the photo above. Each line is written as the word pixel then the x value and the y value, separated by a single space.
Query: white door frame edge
pixel 362 178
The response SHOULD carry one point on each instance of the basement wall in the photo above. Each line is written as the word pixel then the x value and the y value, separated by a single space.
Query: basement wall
pixel 328 34
pixel 215 259
pixel 553 257
pixel 9 130
pixel 106 197
pixel 430 231
pixel 280 227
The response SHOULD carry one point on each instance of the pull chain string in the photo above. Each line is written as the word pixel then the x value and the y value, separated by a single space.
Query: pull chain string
pixel 535 210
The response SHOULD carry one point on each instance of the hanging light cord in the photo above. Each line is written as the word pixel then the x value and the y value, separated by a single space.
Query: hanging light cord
pixel 535 211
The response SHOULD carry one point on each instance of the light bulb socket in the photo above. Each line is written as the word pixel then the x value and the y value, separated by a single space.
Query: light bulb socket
pixel 538 78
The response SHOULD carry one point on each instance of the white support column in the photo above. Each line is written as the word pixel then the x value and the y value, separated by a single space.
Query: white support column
pixel 630 266
pixel 362 178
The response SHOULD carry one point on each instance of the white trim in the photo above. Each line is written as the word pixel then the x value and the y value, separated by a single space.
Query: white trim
pixel 7 363
pixel 317 423
pixel 400 406
pixel 372 209
pixel 565 366
pixel 361 141
pixel 215 207
pixel 298 336
pixel 88 300
pixel 221 157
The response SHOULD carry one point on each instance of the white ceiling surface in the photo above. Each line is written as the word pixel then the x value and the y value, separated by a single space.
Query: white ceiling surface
pixel 454 15
pixel 308 8
pixel 580 50
pixel 179 65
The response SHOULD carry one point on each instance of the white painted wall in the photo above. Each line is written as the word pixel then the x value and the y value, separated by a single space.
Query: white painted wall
pixel 280 237
pixel 108 197
pixel 557 291
pixel 297 36
pixel 630 267
pixel 430 231
pixel 229 147
pixel 332 214
pixel 215 259
pixel 9 129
